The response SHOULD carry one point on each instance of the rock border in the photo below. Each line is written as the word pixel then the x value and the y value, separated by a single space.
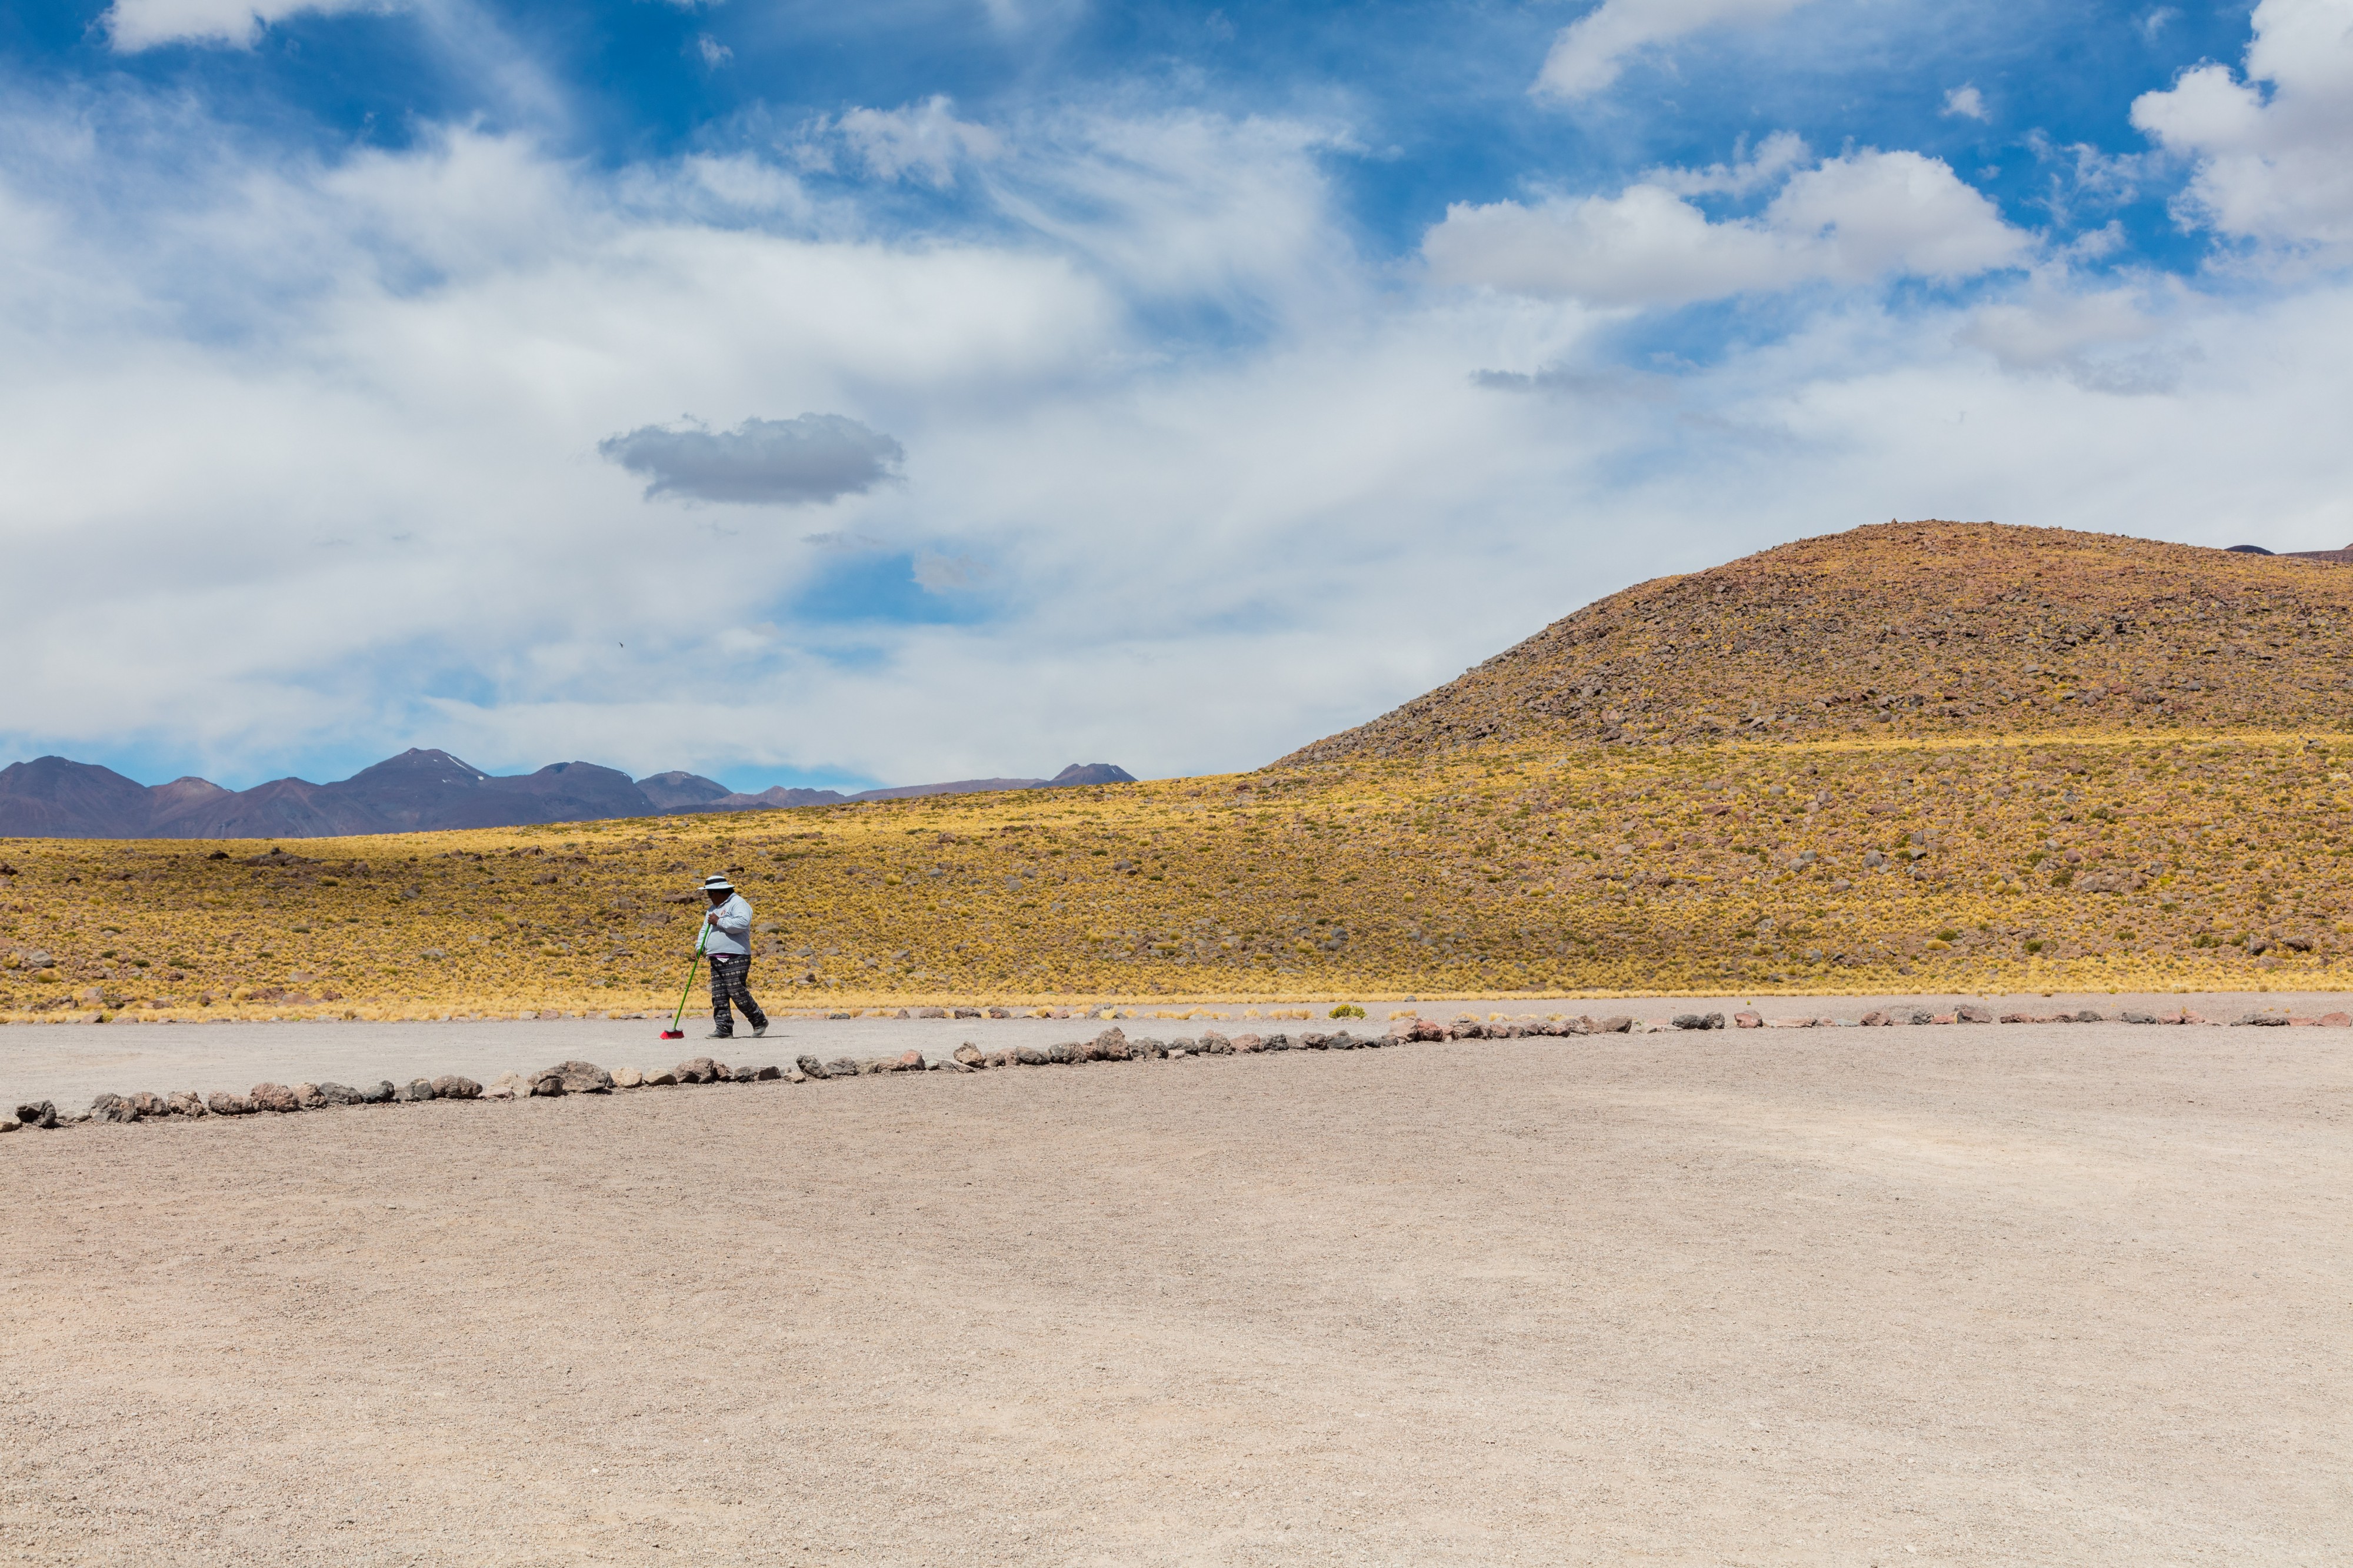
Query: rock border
pixel 1111 1045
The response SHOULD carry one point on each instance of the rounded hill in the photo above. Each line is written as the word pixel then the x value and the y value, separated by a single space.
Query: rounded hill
pixel 1932 629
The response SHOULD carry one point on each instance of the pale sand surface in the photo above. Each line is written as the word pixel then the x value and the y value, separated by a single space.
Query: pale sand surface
pixel 2023 1295
pixel 72 1063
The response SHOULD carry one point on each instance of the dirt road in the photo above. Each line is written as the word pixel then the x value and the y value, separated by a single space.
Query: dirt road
pixel 2016 1295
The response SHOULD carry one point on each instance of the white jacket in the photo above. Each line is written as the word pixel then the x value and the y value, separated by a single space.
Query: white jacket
pixel 729 928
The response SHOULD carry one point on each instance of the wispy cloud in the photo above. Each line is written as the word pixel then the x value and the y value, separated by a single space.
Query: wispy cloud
pixel 1587 55
pixel 134 24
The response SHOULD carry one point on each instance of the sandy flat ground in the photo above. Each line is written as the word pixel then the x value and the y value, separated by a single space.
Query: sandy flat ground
pixel 2023 1295
pixel 71 1064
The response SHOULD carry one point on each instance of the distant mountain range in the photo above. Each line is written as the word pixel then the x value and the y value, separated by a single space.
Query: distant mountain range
pixel 417 790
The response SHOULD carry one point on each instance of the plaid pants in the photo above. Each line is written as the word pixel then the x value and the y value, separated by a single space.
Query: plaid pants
pixel 731 975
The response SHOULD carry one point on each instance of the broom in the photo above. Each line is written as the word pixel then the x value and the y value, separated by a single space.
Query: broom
pixel 674 1032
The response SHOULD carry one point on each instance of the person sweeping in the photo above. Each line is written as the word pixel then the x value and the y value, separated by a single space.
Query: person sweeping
pixel 726 941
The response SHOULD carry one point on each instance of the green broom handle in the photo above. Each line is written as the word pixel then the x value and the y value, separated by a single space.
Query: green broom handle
pixel 689 977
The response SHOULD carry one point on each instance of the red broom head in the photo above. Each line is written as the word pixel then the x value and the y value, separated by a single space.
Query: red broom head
pixel 673 1034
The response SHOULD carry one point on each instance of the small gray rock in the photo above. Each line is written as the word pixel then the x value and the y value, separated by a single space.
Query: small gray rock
pixel 338 1094
pixel 378 1093
pixel 698 1069
pixel 414 1090
pixel 451 1086
pixel 38 1113
pixel 186 1102
pixel 112 1108
pixel 1031 1056
pixel 841 1067
pixel 2264 1020
pixel 1062 1052
pixel 148 1105
pixel 221 1104
pixel 662 1077
pixel 812 1067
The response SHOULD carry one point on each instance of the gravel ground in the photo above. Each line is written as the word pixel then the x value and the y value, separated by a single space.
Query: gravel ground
pixel 69 1063
pixel 2014 1295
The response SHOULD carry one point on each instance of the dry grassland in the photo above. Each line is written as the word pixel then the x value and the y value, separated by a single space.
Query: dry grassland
pixel 2091 862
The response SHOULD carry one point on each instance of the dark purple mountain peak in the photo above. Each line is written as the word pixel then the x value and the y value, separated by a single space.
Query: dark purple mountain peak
pixel 416 766
pixel 678 787
pixel 1092 774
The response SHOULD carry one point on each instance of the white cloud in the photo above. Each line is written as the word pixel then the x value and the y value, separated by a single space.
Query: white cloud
pixel 2272 166
pixel 134 24
pixel 711 52
pixel 2113 339
pixel 1774 159
pixel 921 142
pixel 1965 102
pixel 1855 219
pixel 368 510
pixel 1587 55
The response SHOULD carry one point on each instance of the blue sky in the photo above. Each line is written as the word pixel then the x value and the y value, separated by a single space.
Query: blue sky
pixel 806 392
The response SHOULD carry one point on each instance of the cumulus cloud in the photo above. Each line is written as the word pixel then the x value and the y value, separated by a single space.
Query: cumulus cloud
pixel 2274 166
pixel 788 462
pixel 134 24
pixel 1965 102
pixel 1864 217
pixel 1587 55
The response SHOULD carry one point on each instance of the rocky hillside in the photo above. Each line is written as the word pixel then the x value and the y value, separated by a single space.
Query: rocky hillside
pixel 1923 628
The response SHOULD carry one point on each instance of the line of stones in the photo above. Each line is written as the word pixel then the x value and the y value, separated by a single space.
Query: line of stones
pixel 1111 1045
